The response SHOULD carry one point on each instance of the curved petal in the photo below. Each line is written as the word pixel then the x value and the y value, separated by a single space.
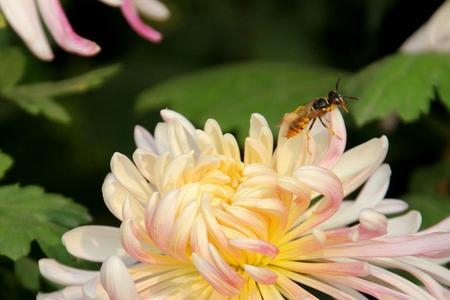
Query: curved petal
pixel 117 281
pixel 358 163
pixel 153 9
pixel 23 17
pixel 61 30
pixel 68 293
pixel 337 141
pixel 144 139
pixel 94 243
pixel 64 275
pixel 131 15
pixel 370 196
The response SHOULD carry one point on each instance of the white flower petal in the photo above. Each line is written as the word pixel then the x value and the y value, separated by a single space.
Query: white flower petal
pixel 404 225
pixel 153 9
pixel 23 17
pixel 144 139
pixel 94 243
pixel 64 275
pixel 117 281
pixel 358 163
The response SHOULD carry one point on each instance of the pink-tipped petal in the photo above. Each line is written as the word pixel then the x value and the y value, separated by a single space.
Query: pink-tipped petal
pixel 368 287
pixel 61 30
pixel 337 141
pixel 414 245
pixel 212 275
pixel 225 270
pixel 23 17
pixel 325 183
pixel 131 15
pixel 138 249
pixel 359 269
pixel 64 275
pixel 144 139
pixel 261 275
pixel 257 246
pixel 117 281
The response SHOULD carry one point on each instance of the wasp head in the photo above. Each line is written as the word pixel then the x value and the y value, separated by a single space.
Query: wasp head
pixel 337 99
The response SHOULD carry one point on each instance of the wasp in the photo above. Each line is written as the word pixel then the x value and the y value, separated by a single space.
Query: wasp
pixel 299 119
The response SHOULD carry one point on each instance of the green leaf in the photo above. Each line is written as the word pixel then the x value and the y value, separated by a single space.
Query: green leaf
pixel 27 271
pixel 400 83
pixel 28 213
pixel 12 65
pixel 38 98
pixel 429 192
pixel 231 93
pixel 5 163
pixel 48 107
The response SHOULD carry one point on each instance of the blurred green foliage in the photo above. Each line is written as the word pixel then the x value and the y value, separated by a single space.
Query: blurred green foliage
pixel 221 59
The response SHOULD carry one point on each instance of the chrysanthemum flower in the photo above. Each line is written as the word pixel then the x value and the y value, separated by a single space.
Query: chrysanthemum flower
pixel 200 222
pixel 23 16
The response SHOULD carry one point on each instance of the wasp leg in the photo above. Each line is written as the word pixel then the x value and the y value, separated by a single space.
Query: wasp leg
pixel 308 135
pixel 330 130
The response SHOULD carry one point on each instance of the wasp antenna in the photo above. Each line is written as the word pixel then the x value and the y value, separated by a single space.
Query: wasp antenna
pixel 337 83
pixel 352 97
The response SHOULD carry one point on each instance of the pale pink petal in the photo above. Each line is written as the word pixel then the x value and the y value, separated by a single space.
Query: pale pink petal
pixel 64 275
pixel 337 141
pixel 442 226
pixel 144 139
pixel 212 275
pixel 117 281
pixel 61 30
pixel 139 249
pixel 68 293
pixel 325 183
pixel 440 273
pixel 405 225
pixel 225 270
pixel 94 243
pixel 359 269
pixel 374 222
pixel 131 15
pixel 257 246
pixel 358 164
pixel 153 9
pixel 261 275
pixel 432 285
pixel 164 219
pixel 23 17
pixel 338 293
pixel 368 287
pixel 415 245
pixel 370 196
pixel 399 283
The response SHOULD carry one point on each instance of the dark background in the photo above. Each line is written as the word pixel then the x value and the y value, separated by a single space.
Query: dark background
pixel 73 159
